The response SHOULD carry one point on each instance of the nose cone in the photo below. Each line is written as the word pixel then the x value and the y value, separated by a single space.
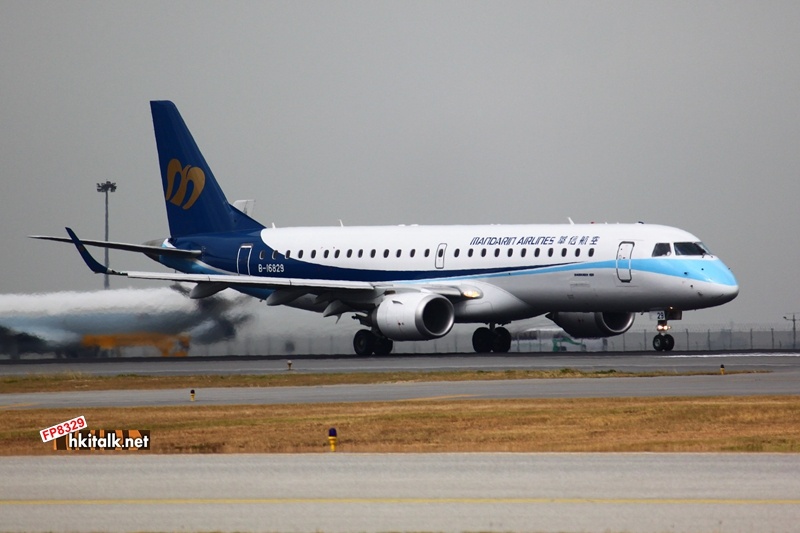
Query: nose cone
pixel 722 286
pixel 726 293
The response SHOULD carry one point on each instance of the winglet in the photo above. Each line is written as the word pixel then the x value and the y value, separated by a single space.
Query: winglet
pixel 90 261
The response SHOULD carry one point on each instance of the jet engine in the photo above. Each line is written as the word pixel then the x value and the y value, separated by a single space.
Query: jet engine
pixel 593 325
pixel 414 316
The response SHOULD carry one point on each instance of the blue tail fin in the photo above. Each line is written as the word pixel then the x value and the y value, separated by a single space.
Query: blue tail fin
pixel 195 202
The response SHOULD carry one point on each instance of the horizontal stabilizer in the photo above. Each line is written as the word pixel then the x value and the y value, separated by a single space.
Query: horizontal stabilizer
pixel 141 248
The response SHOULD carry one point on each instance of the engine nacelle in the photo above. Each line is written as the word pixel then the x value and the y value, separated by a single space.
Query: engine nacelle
pixel 414 316
pixel 593 325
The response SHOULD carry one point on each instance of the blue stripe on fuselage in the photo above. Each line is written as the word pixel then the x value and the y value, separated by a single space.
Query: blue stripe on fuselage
pixel 220 256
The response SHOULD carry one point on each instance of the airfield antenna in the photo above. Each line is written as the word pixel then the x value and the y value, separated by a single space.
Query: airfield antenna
pixel 106 188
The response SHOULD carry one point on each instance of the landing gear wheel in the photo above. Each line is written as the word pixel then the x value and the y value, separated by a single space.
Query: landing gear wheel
pixel 502 340
pixel 663 343
pixel 383 346
pixel 364 342
pixel 658 343
pixel 669 342
pixel 483 340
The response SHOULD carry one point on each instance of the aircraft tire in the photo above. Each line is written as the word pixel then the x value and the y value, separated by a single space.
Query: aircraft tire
pixel 669 343
pixel 658 343
pixel 482 340
pixel 364 342
pixel 383 346
pixel 502 340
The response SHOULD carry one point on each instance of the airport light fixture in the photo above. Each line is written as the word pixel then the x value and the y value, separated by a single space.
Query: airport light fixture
pixel 793 320
pixel 106 188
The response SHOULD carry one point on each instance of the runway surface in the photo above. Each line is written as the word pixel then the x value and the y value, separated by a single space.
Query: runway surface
pixel 781 375
pixel 628 361
pixel 330 493
pixel 717 385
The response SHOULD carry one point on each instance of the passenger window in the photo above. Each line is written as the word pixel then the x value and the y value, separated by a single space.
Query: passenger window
pixel 455 254
pixel 536 253
pixel 523 252
pixel 591 252
pixel 313 254
pixel 510 252
pixel 300 254
pixel 262 255
pixel 325 254
pixel 483 252
pixel 412 252
pixel 577 252
pixel 288 254
pixel 398 253
pixel 497 252
pixel 360 254
pixel 661 249
pixel 440 253
pixel 336 254
pixel 274 254
pixel 427 252
pixel 550 252
pixel 470 252
pixel 372 254
pixel 385 254
pixel 563 252
pixel 349 253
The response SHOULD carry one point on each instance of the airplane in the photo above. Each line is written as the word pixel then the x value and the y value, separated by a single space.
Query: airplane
pixel 411 282
pixel 97 323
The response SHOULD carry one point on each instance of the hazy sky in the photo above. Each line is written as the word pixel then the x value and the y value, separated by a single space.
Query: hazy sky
pixel 680 113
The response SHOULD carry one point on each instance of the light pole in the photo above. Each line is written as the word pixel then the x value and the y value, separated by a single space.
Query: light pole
pixel 106 188
pixel 794 329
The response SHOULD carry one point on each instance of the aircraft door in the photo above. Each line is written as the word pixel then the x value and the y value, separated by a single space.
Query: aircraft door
pixel 624 253
pixel 243 259
pixel 440 255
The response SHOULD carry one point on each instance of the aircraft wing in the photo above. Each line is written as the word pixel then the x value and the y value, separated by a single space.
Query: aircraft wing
pixel 217 282
pixel 311 285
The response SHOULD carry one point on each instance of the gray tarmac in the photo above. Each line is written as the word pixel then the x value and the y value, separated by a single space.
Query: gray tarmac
pixel 627 361
pixel 337 492
pixel 714 385
pixel 777 374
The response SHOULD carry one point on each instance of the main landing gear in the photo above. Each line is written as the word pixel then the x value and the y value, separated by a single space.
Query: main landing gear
pixel 491 339
pixel 663 342
pixel 366 342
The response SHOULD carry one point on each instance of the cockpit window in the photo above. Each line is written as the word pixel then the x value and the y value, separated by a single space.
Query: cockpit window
pixel 662 249
pixel 691 248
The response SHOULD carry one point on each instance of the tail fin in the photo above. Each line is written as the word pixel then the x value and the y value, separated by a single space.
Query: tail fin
pixel 195 202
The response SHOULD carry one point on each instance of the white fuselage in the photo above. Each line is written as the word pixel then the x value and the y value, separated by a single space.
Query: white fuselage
pixel 520 270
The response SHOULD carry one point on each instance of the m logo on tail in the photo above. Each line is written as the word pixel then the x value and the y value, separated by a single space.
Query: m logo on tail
pixel 187 174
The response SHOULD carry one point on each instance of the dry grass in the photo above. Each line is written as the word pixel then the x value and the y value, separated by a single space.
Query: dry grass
pixel 750 424
pixel 76 381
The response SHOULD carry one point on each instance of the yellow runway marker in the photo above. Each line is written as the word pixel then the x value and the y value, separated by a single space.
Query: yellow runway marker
pixel 412 501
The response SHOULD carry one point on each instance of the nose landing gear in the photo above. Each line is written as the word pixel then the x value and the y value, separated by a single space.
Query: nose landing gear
pixel 663 342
